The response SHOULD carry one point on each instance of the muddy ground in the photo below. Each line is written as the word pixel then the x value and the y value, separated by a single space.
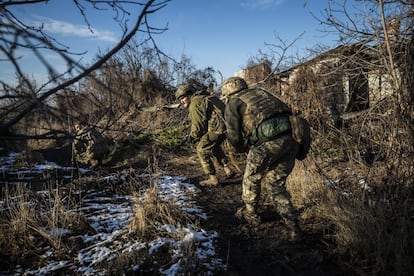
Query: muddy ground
pixel 262 250
pixel 246 250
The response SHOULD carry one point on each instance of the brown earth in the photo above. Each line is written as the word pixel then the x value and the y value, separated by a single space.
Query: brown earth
pixel 262 250
pixel 246 250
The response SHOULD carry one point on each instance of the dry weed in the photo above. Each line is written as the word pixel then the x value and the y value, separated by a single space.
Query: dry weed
pixel 370 230
pixel 28 220
pixel 17 219
pixel 304 183
pixel 151 212
pixel 376 236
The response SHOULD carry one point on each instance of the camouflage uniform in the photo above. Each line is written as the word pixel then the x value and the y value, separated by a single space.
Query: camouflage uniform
pixel 258 123
pixel 208 129
pixel 89 146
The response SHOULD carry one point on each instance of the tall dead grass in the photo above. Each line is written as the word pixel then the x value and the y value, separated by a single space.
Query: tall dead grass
pixel 371 231
pixel 356 185
pixel 151 211
pixel 157 217
pixel 17 219
pixel 28 220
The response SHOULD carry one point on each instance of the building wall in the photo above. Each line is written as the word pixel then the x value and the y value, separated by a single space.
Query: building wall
pixel 255 74
pixel 380 87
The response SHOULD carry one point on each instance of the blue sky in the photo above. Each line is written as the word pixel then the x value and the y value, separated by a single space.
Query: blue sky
pixel 225 33
pixel 222 34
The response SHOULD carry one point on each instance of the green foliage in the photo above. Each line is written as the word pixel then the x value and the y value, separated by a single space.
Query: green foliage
pixel 143 138
pixel 171 138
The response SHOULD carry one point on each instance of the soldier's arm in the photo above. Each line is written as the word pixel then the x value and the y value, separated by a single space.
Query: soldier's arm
pixel 234 124
pixel 198 120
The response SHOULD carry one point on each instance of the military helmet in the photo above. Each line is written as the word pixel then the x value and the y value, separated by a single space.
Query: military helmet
pixel 233 85
pixel 184 90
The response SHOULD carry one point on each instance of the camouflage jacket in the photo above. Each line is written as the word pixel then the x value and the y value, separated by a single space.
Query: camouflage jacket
pixel 89 141
pixel 206 113
pixel 247 110
pixel 83 140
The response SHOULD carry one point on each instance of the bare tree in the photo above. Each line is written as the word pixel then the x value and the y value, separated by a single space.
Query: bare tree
pixel 18 101
pixel 383 32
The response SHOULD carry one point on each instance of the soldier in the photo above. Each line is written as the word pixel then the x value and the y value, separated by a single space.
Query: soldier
pixel 208 129
pixel 258 123
pixel 89 146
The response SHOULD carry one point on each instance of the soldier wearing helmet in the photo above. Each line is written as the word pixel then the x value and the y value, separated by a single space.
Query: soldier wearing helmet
pixel 233 85
pixel 208 129
pixel 258 123
pixel 89 146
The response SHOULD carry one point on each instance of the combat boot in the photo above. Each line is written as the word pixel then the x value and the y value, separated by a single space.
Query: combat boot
pixel 210 182
pixel 248 213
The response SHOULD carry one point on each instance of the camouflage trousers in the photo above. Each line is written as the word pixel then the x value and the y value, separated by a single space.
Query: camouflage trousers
pixel 269 164
pixel 209 149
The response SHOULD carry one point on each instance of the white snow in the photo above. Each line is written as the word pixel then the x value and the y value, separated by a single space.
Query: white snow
pixel 110 218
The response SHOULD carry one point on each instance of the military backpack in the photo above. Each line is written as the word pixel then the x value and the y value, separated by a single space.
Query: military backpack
pixel 217 122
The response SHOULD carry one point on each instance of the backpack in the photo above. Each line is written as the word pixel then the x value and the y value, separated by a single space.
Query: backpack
pixel 301 134
pixel 217 122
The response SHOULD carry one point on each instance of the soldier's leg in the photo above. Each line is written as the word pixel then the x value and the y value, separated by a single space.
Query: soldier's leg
pixel 221 157
pixel 256 161
pixel 283 153
pixel 275 183
pixel 219 154
pixel 253 175
pixel 205 155
pixel 204 152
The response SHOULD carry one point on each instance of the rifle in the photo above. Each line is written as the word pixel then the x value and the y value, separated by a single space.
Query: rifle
pixel 232 158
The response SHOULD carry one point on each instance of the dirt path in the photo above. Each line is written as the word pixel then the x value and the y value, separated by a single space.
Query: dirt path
pixel 262 250
pixel 246 250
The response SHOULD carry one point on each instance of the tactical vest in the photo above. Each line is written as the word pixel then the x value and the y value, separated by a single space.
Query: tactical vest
pixel 261 106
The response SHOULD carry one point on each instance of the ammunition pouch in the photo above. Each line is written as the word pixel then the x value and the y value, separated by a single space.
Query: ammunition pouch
pixel 271 129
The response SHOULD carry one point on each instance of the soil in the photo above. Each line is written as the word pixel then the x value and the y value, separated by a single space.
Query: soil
pixel 262 250
pixel 246 250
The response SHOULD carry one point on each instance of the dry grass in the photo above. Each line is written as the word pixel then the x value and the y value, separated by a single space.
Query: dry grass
pixel 28 220
pixel 17 219
pixel 371 231
pixel 157 217
pixel 375 235
pixel 302 183
pixel 151 211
